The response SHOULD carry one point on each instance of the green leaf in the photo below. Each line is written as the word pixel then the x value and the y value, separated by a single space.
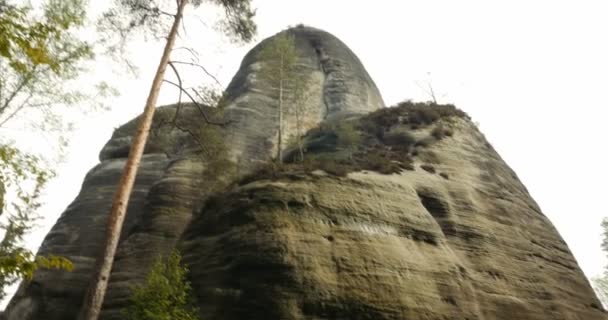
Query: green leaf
pixel 166 293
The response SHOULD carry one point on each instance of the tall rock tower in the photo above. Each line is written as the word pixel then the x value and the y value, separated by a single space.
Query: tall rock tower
pixel 396 213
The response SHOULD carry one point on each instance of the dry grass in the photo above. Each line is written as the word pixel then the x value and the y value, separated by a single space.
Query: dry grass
pixel 372 142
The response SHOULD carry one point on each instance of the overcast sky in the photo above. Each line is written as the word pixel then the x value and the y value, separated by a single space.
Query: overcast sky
pixel 533 74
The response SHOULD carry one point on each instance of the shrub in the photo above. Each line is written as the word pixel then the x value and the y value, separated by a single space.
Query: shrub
pixel 400 138
pixel 423 116
pixel 369 143
pixel 439 132
pixel 425 112
pixel 348 137
pixel 416 114
pixel 333 167
pixel 166 294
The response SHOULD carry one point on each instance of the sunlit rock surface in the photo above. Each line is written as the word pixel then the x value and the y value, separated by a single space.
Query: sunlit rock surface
pixel 457 237
pixel 464 242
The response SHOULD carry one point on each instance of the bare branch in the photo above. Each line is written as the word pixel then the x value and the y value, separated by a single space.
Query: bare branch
pixel 199 107
pixel 19 108
pixel 184 28
pixel 197 94
pixel 432 93
pixel 194 136
pixel 204 69
pixel 179 101
pixel 193 52
pixel 154 10
pixel 428 90
pixel 25 81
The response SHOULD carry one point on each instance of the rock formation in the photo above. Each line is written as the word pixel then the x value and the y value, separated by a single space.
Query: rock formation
pixel 397 213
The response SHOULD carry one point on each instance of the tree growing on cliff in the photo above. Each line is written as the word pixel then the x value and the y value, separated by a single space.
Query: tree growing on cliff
pixel 126 16
pixel 166 293
pixel 39 52
pixel 600 284
pixel 301 88
pixel 279 71
pixel 348 137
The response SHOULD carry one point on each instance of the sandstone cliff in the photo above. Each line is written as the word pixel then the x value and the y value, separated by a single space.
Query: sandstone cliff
pixel 420 219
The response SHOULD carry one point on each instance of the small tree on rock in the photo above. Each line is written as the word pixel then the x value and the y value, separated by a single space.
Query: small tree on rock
pixel 279 71
pixel 600 284
pixel 128 15
pixel 166 293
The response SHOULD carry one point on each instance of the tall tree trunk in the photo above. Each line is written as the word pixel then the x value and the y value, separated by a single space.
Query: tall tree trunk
pixel 280 142
pixel 298 134
pixel 95 295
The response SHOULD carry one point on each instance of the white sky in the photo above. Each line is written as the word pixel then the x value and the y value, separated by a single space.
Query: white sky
pixel 533 74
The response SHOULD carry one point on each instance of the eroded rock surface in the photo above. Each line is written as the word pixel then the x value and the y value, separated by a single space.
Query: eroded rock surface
pixel 174 178
pixel 338 87
pixel 461 239
pixel 421 220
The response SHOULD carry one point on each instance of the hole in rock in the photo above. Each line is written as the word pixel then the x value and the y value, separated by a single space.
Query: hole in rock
pixel 433 205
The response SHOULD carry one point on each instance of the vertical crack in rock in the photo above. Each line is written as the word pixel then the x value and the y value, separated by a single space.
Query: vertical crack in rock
pixel 321 58
pixel 339 87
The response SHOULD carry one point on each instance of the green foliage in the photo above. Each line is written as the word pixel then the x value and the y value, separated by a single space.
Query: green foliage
pixel 238 23
pixel 279 56
pixel 215 151
pixel 348 137
pixel 27 44
pixel 380 141
pixel 279 71
pixel 183 128
pixel 165 295
pixel 151 18
pixel 21 181
pixel 41 53
pixel 414 114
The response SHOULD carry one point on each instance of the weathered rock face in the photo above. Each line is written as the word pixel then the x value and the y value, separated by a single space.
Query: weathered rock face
pixel 174 178
pixel 338 86
pixel 457 236
pixel 454 235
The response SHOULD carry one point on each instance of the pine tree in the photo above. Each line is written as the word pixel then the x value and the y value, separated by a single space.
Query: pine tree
pixel 148 14
pixel 279 71
pixel 600 284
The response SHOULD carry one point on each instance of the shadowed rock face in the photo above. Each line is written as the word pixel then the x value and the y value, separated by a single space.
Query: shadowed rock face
pixel 463 240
